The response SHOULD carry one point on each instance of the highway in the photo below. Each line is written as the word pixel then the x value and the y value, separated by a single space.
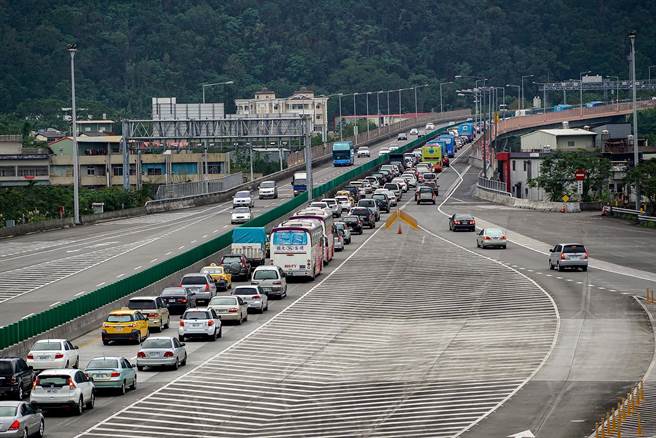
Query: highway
pixel 42 270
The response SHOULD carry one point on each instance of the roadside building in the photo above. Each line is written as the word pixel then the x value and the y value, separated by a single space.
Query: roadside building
pixel 20 166
pixel 561 139
pixel 48 135
pixel 516 169
pixel 302 102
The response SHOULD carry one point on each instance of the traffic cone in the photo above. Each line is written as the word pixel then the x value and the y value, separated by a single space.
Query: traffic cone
pixel 399 230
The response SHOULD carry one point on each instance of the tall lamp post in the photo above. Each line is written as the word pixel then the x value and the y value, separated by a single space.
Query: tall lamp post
pixel 441 105
pixel 636 158
pixel 581 90
pixel 617 90
pixel 214 84
pixel 368 93
pixel 72 49
pixel 522 98
pixel 519 96
pixel 355 120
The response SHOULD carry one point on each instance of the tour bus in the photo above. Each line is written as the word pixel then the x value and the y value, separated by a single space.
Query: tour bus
pixel 299 183
pixel 343 153
pixel 324 219
pixel 432 153
pixel 297 248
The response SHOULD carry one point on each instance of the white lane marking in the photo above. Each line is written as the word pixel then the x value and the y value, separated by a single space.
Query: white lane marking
pixel 102 283
pixel 226 226
pixel 194 241
pixel 181 247
pixel 215 231
pixel 204 236
pixel 154 260
pixel 28 315
pixel 138 267
pixel 168 253
pixel 55 303
pixel 80 293
pixel 120 275
pixel 73 250
pixel 612 290
pixel 601 288
pixel 549 275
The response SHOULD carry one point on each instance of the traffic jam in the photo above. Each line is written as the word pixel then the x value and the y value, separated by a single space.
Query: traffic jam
pixel 249 278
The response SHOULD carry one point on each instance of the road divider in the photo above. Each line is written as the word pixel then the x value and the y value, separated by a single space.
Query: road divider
pixel 86 312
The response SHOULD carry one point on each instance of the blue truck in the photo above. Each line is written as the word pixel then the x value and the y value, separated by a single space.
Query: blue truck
pixel 250 242
pixel 343 153
pixel 466 130
pixel 449 142
pixel 299 183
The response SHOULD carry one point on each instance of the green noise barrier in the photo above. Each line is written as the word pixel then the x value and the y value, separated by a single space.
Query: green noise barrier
pixel 48 319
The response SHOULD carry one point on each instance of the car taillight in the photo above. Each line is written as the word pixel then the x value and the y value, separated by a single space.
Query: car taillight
pixel 70 383
pixel 182 300
pixel 30 356
pixel 233 310
pixel 210 323
pixel 59 356
pixel 503 237
pixel 586 255
pixel 141 354
pixel 277 282
pixel 181 323
pixel 168 354
pixel 207 287
pixel 36 383
pixel 115 374
pixel 486 238
pixel 472 222
pixel 456 222
pixel 15 425
pixel 563 256
pixel 153 315
pixel 256 297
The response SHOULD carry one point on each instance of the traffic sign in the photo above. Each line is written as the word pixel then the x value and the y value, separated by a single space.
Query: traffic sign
pixel 400 215
pixel 565 198
pixel 579 187
pixel 580 174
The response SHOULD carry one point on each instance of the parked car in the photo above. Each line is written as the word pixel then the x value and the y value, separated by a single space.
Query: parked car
pixel 271 279
pixel 425 194
pixel 178 299
pixel 201 285
pixel 354 223
pixel 365 214
pixel 200 322
pixel 243 199
pixel 568 255
pixel 153 308
pixel 256 299
pixel 15 378
pixel 230 308
pixel 402 136
pixel 237 265
pixel 370 204
pixel 363 151
pixel 462 222
pixel 240 215
pixel 490 238
pixel 345 229
pixel 57 388
pixel 53 353
pixel 21 419
pixel 334 206
pixel 162 351
pixel 221 278
pixel 267 189
pixel 114 372
pixel 124 325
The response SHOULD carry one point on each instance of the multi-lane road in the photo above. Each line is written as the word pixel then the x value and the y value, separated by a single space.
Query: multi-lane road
pixel 419 334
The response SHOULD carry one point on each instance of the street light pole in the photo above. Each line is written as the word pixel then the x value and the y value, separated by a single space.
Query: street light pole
pixel 518 92
pixel 203 86
pixel 368 93
pixel 617 91
pixel 441 105
pixel 72 49
pixel 636 158
pixel 250 147
pixel 355 120
pixel 341 124
pixel 522 92
pixel 581 91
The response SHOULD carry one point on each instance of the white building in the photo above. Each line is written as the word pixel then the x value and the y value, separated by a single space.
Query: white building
pixel 563 139
pixel 303 102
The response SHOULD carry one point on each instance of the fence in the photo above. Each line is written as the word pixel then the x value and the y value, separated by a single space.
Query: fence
pixel 180 190
pixel 493 185
pixel 43 321
pixel 610 210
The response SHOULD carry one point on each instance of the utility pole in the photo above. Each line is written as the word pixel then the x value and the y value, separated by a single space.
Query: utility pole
pixel 367 94
pixel 341 123
pixel 308 164
pixel 441 105
pixel 206 184
pixel 355 118
pixel 416 108
pixel 636 156
pixel 250 148
pixel 72 49
pixel 581 91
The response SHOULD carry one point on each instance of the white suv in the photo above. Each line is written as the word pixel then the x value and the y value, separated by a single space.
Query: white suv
pixel 64 388
pixel 53 353
pixel 200 322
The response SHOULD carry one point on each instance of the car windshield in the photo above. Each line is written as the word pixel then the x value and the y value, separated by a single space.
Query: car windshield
pixel 245 291
pixel 6 369
pixel 242 210
pixel 339 225
pixel 53 380
pixel 268 184
pixel 8 411
pixel 223 301
pixel 391 187
pixel 119 318
pixel 102 363
pixel 265 274
pixel 195 314
pixel 319 204
pixel 290 238
pixel 195 279
pixel 330 201
pixel 379 196
pixel 156 343
pixel 242 195
pixel 494 232
pixel 569 249
pixel 360 211
pixel 142 304
pixel 429 176
pixel 47 346
pixel 173 291
pixel 366 202
pixel 425 189
pixel 463 217
pixel 342 199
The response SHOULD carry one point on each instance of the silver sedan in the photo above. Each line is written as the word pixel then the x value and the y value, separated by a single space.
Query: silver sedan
pixel 162 351
pixel 491 238
pixel 20 419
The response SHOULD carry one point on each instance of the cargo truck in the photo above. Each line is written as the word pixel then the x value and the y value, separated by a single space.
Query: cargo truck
pixel 251 243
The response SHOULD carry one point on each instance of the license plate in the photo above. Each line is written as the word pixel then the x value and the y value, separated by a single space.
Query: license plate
pixel 52 390
pixel 196 325
pixel 266 289
pixel 101 376
pixel 44 357
pixel 222 311
pixel 171 300
pixel 153 354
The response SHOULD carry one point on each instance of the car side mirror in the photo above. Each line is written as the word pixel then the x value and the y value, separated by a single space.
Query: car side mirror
pixel 76 347
pixel 550 249
pixel 183 344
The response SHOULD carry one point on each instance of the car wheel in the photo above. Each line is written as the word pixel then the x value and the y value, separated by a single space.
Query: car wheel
pixel 503 247
pixel 168 323
pixel 79 407
pixel 140 367
pixel 184 361
pixel 241 319
pixel 584 268
pixel 246 317
pixel 220 334
pixel 478 245
pixel 550 266
pixel 134 383
pixel 181 338
pixel 214 336
pixel 105 342
pixel 557 267
pixel 19 394
pixel 176 365
pixel 77 363
pixel 92 402
pixel 123 388
pixel 42 430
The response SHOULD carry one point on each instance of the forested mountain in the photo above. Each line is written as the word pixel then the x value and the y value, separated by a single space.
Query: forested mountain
pixel 130 51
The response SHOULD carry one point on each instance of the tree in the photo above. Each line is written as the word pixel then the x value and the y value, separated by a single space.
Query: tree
pixel 557 175
pixel 644 175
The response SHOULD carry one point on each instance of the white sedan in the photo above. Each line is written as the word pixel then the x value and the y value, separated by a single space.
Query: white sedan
pixel 240 215
pixel 390 195
pixel 53 353
pixel 363 151
pixel 383 151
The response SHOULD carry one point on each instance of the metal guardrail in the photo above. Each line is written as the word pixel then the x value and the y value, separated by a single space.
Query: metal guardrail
pixel 627 211
pixel 41 322
pixel 181 190
pixel 492 185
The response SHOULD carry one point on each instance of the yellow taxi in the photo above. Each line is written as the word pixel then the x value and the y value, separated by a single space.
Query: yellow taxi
pixel 222 279
pixel 125 325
